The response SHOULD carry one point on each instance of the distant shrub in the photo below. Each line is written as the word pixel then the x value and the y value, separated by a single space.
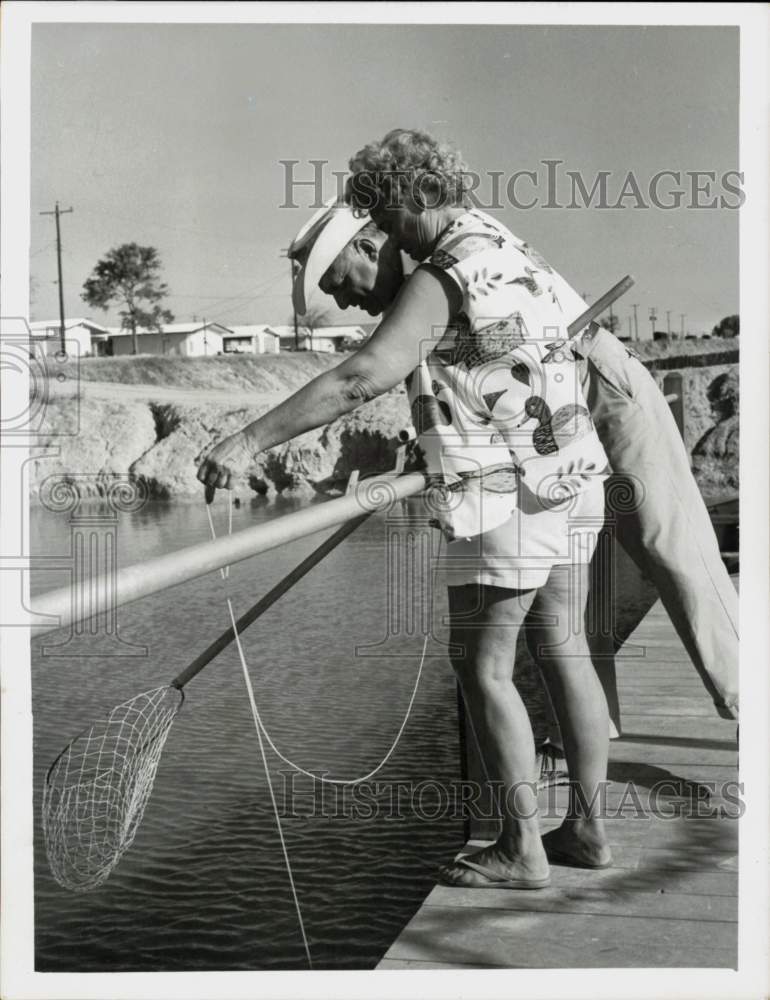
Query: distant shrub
pixel 728 327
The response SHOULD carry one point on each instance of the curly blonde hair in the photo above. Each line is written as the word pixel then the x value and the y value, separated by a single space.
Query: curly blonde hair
pixel 407 160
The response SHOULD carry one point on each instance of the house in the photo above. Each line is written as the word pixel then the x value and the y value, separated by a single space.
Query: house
pixel 256 339
pixel 189 340
pixel 91 338
pixel 322 338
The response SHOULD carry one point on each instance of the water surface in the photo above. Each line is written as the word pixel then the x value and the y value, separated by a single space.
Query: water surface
pixel 204 886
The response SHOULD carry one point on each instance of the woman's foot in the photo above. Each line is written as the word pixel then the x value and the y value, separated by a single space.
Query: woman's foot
pixel 578 843
pixel 499 867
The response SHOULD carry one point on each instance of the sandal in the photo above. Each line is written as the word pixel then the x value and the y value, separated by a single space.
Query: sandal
pixel 491 879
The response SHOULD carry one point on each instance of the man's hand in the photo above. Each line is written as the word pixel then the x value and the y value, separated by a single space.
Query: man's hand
pixel 223 463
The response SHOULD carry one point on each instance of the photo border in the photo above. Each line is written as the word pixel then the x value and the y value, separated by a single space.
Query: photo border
pixel 18 979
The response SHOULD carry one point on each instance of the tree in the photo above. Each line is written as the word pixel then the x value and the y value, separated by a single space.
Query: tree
pixel 129 275
pixel 610 322
pixel 728 327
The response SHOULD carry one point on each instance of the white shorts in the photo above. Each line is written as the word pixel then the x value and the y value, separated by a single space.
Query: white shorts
pixel 520 553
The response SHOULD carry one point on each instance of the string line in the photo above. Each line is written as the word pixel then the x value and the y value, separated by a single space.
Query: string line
pixel 258 727
pixel 262 732
pixel 298 767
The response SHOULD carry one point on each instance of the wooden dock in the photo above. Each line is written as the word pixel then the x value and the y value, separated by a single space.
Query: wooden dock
pixel 670 897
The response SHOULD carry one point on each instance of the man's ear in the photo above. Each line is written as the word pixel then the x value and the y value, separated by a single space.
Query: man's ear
pixel 368 248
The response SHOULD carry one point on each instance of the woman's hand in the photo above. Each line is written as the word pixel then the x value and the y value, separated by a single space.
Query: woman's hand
pixel 223 463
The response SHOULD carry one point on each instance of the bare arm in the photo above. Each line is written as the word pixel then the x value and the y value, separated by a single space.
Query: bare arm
pixel 424 305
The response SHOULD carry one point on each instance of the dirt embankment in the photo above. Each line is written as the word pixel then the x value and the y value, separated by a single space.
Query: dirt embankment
pixel 149 418
pixel 103 421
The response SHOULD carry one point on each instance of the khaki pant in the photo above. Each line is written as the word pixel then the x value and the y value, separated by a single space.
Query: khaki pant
pixel 659 516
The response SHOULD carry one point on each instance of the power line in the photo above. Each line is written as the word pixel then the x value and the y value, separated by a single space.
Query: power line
pixel 57 212
pixel 48 246
pixel 215 298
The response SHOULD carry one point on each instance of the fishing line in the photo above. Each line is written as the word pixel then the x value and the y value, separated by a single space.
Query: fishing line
pixel 268 738
pixel 258 727
pixel 262 731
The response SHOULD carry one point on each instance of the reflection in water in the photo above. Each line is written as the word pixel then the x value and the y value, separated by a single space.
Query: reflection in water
pixel 204 885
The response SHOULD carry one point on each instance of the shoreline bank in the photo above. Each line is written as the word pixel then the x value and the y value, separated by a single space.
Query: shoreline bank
pixel 103 423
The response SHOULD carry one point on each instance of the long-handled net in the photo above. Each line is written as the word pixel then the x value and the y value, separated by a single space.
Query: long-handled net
pixel 96 791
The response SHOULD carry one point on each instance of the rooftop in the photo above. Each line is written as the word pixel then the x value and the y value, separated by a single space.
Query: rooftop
pixel 194 327
pixel 44 324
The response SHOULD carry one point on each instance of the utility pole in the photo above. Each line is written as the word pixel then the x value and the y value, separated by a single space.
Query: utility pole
pixel 681 325
pixel 635 306
pixel 612 321
pixel 285 253
pixel 653 317
pixel 630 328
pixel 57 212
pixel 668 322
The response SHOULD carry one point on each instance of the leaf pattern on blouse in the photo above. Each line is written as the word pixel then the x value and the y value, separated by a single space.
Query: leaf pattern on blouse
pixel 528 281
pixel 482 282
pixel 540 262
pixel 571 475
pixel 493 479
pixel 462 246
pixel 521 373
pixel 442 259
pixel 474 347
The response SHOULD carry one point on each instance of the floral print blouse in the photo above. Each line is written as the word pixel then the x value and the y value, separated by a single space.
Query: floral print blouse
pixel 496 401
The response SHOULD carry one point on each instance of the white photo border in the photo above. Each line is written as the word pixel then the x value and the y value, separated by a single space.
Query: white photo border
pixel 18 980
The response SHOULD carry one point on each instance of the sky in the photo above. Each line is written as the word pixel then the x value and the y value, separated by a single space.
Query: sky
pixel 173 136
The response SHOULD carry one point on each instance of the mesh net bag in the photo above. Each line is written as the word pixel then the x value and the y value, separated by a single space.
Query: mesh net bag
pixel 96 790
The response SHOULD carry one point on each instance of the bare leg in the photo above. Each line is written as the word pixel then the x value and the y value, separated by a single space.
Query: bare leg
pixel 485 624
pixel 602 600
pixel 562 653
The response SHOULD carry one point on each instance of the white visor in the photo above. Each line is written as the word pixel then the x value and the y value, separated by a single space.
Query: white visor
pixel 326 234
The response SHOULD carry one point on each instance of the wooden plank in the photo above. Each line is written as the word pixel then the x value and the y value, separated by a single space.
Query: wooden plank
pixel 660 707
pixel 665 754
pixel 635 802
pixel 614 899
pixel 654 831
pixel 715 728
pixel 473 935
pixel 658 678
pixel 654 880
pixel 692 857
pixel 400 963
pixel 711 739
